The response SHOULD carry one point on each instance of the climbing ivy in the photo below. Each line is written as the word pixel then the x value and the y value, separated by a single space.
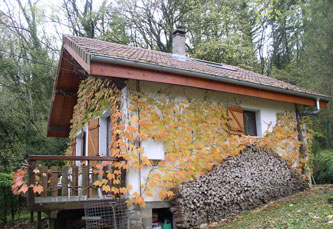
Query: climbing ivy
pixel 194 134
pixel 195 137
pixel 95 95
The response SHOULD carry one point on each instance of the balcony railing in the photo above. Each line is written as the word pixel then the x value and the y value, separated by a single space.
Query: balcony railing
pixel 73 182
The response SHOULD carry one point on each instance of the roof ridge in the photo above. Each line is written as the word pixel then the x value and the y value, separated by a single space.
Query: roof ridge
pixel 123 45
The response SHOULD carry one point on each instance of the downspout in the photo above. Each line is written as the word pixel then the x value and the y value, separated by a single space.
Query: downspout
pixel 302 148
pixel 139 142
pixel 315 111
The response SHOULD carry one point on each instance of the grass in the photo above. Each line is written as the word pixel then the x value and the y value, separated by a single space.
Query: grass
pixel 21 220
pixel 309 209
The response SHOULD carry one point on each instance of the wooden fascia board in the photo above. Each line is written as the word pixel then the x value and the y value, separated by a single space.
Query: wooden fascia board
pixel 54 89
pixel 107 69
pixel 77 58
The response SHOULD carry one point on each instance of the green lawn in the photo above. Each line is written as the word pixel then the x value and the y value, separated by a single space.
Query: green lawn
pixel 309 209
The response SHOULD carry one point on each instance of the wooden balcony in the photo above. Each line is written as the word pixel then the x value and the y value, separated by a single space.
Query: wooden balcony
pixel 68 187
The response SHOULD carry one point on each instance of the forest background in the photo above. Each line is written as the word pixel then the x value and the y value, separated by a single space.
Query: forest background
pixel 291 40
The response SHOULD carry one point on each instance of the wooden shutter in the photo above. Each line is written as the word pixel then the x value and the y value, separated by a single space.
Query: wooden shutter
pixel 73 150
pixel 236 120
pixel 93 137
pixel 74 147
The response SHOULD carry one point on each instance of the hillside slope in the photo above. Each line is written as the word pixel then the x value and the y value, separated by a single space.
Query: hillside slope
pixel 312 208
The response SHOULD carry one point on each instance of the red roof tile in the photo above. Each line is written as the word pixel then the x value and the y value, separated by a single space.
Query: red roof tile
pixel 108 49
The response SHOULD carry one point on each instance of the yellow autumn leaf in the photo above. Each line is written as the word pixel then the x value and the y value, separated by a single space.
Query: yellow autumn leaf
pixel 123 190
pixel 98 183
pixel 110 176
pixel 129 187
pixel 145 160
pixel 106 188
pixel 129 202
pixel 134 119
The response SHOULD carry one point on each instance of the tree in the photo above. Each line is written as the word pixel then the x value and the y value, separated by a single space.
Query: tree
pixel 223 31
pixel 151 23
pixel 86 19
pixel 26 81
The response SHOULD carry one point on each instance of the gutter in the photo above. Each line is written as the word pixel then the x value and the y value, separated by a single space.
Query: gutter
pixel 130 63
pixel 315 111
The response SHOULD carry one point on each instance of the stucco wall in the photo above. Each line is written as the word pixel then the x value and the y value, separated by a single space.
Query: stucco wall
pixel 266 111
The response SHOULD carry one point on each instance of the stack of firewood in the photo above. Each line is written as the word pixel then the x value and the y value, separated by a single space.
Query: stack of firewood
pixel 244 182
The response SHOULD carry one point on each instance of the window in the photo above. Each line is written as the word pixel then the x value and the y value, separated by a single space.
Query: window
pixel 104 135
pixel 250 125
pixel 242 121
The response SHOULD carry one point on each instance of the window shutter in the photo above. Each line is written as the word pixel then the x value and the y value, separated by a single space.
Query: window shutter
pixel 236 120
pixel 73 150
pixel 93 137
pixel 74 147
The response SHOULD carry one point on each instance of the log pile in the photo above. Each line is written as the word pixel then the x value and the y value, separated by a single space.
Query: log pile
pixel 244 182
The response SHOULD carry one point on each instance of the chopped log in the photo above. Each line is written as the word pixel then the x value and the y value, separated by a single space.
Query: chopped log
pixel 244 182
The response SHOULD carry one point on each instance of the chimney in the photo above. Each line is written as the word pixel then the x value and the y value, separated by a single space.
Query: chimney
pixel 178 44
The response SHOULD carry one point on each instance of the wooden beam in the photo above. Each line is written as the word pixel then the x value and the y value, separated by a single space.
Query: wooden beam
pixel 70 158
pixel 71 205
pixel 107 69
pixel 57 134
pixel 59 128
pixel 77 58
pixel 65 93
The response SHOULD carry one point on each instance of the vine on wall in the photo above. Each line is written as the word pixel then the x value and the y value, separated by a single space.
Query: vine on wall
pixel 195 137
pixel 194 133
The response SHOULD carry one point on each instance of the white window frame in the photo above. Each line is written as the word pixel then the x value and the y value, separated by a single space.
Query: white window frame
pixel 103 133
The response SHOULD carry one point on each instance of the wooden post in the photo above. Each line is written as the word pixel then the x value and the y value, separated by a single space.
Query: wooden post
pixel 85 180
pixel 39 220
pixel 123 178
pixel 104 176
pixel 74 191
pixel 64 181
pixel 31 216
pixel 94 192
pixel 31 181
pixel 54 181
pixel 51 223
pixel 43 180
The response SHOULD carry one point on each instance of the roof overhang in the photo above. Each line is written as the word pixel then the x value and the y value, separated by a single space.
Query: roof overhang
pixel 75 62
pixel 64 96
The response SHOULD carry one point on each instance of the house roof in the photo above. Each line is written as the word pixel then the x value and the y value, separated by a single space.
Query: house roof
pixel 94 47
pixel 95 57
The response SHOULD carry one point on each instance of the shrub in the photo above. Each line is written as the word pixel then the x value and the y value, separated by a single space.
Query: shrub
pixel 9 204
pixel 323 167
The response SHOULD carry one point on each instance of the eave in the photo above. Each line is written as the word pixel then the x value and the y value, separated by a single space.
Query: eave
pixel 74 61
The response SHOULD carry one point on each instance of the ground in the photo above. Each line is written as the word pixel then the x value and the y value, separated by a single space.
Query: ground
pixel 309 209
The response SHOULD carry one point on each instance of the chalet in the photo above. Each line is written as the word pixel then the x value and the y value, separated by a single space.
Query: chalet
pixel 254 100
